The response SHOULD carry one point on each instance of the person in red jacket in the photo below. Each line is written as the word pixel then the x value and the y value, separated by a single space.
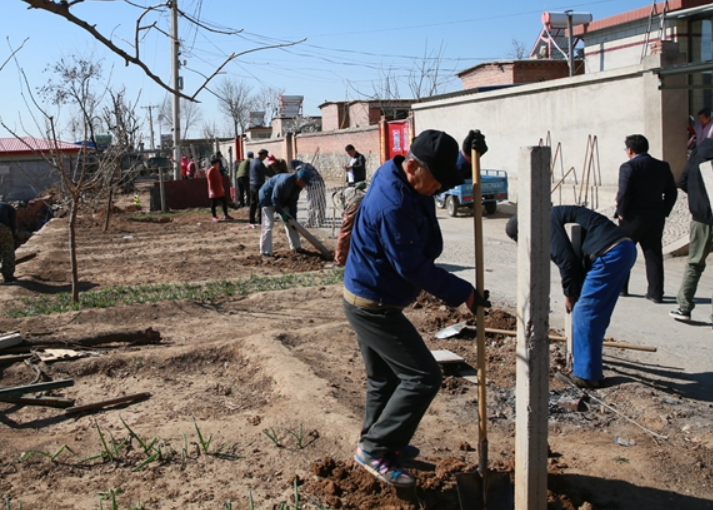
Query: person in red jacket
pixel 216 192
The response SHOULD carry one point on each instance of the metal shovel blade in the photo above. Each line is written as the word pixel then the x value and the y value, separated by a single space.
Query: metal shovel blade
pixel 453 330
pixel 499 494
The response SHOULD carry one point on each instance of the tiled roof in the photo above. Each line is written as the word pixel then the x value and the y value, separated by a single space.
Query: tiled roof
pixel 29 144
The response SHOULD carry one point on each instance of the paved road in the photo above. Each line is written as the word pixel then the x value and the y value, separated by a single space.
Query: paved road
pixel 684 360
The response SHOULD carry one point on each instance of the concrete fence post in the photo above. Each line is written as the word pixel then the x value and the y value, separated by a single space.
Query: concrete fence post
pixel 533 303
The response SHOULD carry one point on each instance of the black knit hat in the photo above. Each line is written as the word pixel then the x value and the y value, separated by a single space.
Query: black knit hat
pixel 439 151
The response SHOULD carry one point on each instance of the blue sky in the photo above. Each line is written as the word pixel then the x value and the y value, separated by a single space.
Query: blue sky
pixel 346 52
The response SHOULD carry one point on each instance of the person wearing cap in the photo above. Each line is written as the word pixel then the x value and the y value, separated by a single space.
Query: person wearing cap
pixel 243 178
pixel 8 231
pixel 279 195
pixel 216 191
pixel 258 173
pixel 395 242
pixel 356 168
pixel 316 202
pixel 591 283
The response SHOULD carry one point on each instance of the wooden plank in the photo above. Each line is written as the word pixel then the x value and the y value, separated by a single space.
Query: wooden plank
pixel 10 340
pixel 556 338
pixel 12 358
pixel 106 403
pixel 17 391
pixel 443 356
pixel 310 238
pixel 61 403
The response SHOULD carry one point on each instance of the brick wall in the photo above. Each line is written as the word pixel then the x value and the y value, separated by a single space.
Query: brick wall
pixel 359 115
pixel 489 74
pixel 331 158
pixel 533 72
pixel 335 116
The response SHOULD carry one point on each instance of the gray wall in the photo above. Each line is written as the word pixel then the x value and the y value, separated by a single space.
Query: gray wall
pixel 609 104
pixel 25 179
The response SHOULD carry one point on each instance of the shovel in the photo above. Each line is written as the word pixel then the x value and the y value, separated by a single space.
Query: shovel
pixel 482 490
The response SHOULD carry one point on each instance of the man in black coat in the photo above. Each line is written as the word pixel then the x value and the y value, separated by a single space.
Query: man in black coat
pixel 647 193
pixel 8 228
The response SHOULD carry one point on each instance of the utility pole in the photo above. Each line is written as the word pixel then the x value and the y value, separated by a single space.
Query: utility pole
pixel 150 109
pixel 175 83
pixel 569 42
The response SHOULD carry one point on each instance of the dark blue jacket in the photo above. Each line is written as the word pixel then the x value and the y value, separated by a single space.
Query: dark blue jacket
pixel 395 241
pixel 699 200
pixel 282 193
pixel 8 216
pixel 598 234
pixel 646 189
pixel 258 173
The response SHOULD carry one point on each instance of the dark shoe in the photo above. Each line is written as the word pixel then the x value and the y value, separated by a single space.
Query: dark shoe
pixel 408 452
pixel 9 279
pixel 301 251
pixel 658 301
pixel 624 293
pixel 385 467
pixel 573 380
pixel 680 315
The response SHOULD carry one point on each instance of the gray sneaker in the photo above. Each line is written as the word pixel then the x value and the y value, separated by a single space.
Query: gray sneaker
pixel 680 315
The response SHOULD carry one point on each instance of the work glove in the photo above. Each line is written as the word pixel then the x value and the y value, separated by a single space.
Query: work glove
pixel 475 300
pixel 285 217
pixel 475 140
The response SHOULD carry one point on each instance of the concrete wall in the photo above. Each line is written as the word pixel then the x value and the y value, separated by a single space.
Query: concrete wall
pixel 331 159
pixel 610 105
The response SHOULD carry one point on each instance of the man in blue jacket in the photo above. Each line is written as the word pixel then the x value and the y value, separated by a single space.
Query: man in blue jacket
pixel 394 244
pixel 280 194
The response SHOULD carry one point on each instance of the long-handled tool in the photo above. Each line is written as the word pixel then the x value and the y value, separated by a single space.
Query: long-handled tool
pixel 292 223
pixel 457 328
pixel 482 490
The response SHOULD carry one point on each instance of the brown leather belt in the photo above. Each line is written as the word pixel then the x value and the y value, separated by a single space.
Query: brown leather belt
pixel 367 304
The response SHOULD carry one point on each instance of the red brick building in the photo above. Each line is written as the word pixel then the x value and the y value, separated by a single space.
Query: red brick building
pixel 513 72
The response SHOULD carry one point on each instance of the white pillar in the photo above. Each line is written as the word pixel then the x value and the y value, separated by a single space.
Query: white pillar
pixel 533 302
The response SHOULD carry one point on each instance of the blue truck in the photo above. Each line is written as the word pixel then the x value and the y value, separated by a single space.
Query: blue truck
pixel 494 189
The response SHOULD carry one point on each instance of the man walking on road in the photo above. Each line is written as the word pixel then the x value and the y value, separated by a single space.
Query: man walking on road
pixel 395 241
pixel 698 183
pixel 647 193
pixel 591 285
pixel 258 173
pixel 8 228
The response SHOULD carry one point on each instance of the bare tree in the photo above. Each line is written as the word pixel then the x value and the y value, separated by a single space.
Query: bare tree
pixel 235 102
pixel 190 113
pixel 132 54
pixel 426 77
pixel 518 50
pixel 268 100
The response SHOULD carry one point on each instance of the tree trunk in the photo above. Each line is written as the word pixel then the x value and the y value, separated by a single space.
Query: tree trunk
pixel 73 249
pixel 108 208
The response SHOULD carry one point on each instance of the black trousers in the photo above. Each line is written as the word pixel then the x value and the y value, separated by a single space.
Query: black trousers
pixel 243 191
pixel 403 377
pixel 648 232
pixel 254 199
pixel 220 200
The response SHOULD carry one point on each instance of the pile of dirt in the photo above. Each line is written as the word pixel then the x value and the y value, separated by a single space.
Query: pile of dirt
pixel 288 261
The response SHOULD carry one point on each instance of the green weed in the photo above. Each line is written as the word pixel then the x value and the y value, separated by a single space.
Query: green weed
pixel 109 297
pixel 272 435
pixel 53 457
pixel 110 495
pixel 205 444
pixel 299 437
pixel 8 505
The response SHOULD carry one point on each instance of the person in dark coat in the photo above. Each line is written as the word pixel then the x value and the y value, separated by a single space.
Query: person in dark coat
pixel 697 181
pixel 8 230
pixel 258 173
pixel 591 284
pixel 647 193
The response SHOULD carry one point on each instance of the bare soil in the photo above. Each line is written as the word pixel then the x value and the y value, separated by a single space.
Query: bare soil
pixel 287 362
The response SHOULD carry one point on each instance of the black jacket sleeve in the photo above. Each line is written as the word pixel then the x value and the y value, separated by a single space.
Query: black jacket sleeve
pixel 622 197
pixel 670 191
pixel 562 253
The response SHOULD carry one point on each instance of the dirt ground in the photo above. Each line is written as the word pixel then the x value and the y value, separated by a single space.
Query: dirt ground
pixel 286 364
